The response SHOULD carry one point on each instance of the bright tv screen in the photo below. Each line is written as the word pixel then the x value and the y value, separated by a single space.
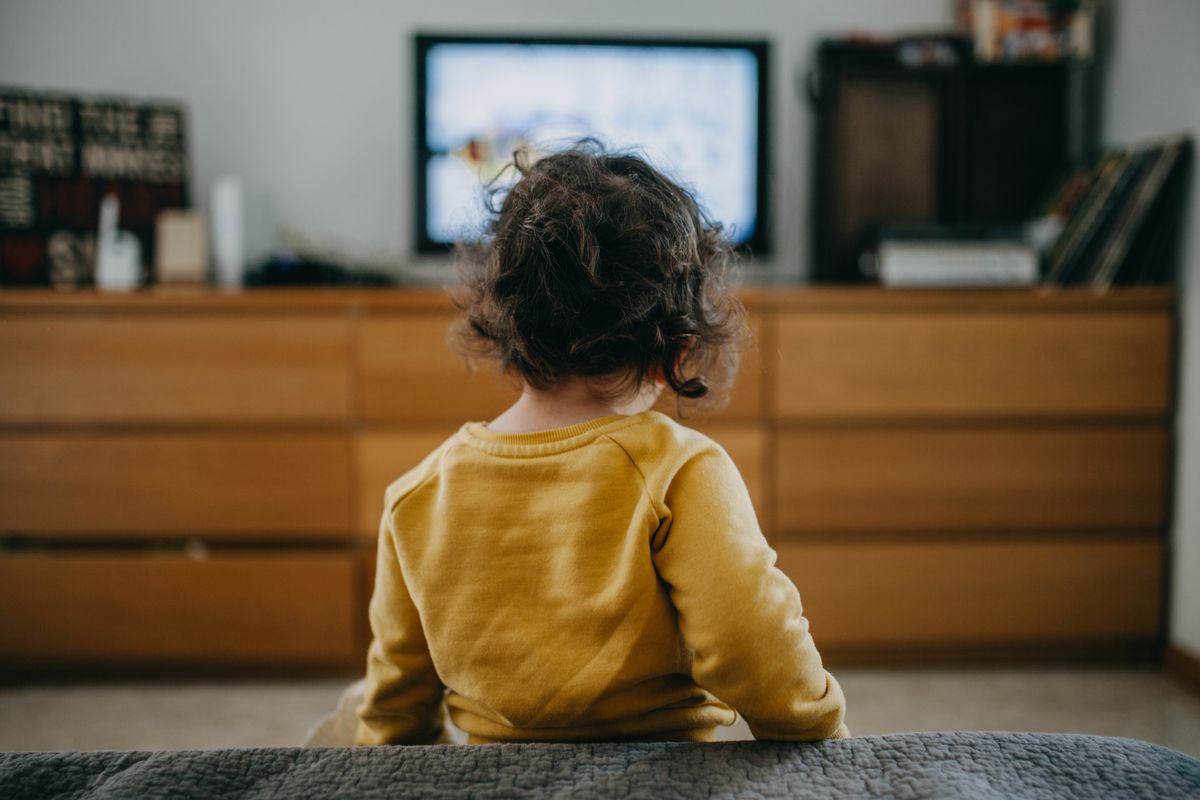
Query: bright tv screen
pixel 695 108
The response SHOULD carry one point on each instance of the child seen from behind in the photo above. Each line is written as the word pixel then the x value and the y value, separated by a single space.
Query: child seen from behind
pixel 583 567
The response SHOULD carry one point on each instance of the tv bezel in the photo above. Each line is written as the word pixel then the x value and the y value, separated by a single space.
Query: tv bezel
pixel 758 244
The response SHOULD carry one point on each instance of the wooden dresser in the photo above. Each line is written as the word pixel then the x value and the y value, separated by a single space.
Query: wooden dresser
pixel 196 479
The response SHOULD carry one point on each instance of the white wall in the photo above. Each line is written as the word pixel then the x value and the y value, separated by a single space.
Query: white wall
pixel 312 98
pixel 1153 88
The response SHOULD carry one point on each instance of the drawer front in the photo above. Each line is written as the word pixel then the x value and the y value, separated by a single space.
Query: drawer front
pixel 896 365
pixel 889 479
pixel 262 486
pixel 278 607
pixel 410 374
pixel 407 373
pixel 380 458
pixel 158 369
pixel 875 594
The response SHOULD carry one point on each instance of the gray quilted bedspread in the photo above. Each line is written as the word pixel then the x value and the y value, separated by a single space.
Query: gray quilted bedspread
pixel 942 765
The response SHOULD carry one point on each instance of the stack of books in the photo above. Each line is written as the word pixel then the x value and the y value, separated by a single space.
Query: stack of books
pixel 1120 217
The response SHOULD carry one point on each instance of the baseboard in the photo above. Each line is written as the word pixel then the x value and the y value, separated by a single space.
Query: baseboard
pixel 1183 664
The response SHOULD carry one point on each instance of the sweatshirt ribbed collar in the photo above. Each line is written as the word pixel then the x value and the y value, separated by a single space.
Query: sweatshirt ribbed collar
pixel 536 443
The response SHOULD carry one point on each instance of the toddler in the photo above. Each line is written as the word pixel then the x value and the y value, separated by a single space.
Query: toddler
pixel 583 567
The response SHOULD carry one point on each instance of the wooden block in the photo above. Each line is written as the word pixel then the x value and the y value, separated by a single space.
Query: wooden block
pixel 976 478
pixel 912 593
pixel 407 373
pixel 147 485
pixel 884 365
pixel 249 607
pixel 154 368
pixel 382 456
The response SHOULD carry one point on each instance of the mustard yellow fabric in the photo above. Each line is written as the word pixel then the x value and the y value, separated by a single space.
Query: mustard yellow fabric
pixel 603 581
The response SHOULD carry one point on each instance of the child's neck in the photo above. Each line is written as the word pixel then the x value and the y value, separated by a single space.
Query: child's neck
pixel 568 402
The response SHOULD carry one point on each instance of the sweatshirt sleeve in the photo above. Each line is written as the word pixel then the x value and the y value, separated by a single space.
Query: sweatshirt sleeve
pixel 739 614
pixel 402 700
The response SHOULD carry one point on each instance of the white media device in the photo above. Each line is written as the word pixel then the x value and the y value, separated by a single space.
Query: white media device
pixel 957 263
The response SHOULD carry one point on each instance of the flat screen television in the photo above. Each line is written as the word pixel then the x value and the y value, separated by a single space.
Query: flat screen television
pixel 696 108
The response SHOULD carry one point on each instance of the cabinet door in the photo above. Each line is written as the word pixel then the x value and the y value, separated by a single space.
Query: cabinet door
pixel 278 607
pixel 174 369
pixel 865 172
pixel 250 486
pixel 892 594
pixel 881 365
pixel 971 479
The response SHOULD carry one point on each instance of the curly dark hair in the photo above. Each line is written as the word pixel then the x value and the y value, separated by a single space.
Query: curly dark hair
pixel 596 265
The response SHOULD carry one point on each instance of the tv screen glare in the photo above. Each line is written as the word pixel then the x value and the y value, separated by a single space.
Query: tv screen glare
pixel 696 109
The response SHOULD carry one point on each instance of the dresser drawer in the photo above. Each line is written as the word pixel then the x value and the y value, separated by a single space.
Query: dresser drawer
pixel 407 373
pixel 903 365
pixel 147 485
pixel 888 594
pixel 160 369
pixel 274 607
pixel 976 478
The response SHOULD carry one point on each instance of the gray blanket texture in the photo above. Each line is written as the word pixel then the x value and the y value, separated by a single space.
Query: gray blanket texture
pixel 942 765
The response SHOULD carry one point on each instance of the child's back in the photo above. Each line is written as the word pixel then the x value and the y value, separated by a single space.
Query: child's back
pixel 566 572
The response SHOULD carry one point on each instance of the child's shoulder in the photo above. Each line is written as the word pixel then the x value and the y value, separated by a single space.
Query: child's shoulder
pixel 661 439
pixel 418 476
pixel 673 457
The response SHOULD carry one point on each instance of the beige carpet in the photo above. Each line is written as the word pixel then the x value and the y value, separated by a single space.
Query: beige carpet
pixel 1139 704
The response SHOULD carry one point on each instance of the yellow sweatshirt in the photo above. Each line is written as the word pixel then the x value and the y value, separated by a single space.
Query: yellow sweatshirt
pixel 603 581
